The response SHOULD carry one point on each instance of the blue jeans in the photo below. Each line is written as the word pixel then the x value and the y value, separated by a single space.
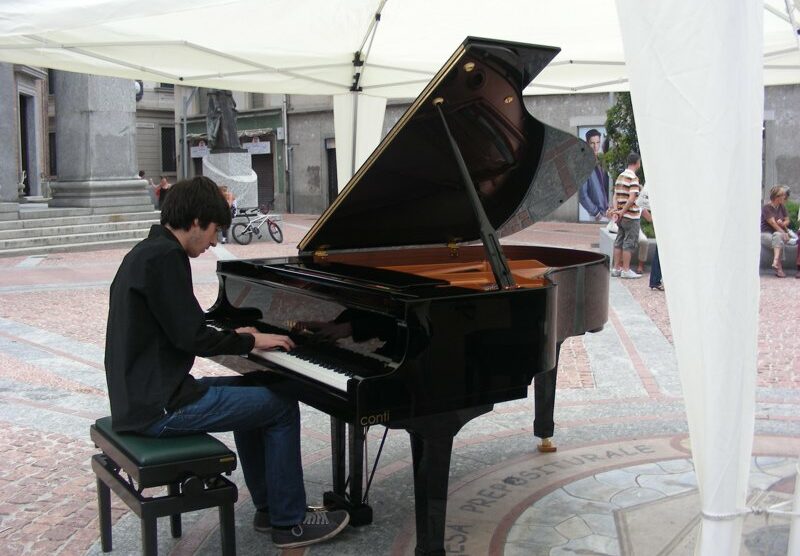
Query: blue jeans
pixel 266 428
pixel 655 270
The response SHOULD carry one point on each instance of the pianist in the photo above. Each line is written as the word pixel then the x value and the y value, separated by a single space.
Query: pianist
pixel 155 330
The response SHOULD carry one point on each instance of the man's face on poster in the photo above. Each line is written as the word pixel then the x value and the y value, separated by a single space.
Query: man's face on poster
pixel 594 142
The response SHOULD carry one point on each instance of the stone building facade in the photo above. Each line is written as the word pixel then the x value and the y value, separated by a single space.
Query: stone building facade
pixel 24 159
pixel 28 156
pixel 313 171
pixel 290 137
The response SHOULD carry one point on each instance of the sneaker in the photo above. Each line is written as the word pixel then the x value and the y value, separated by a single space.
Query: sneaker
pixel 316 527
pixel 615 272
pixel 261 522
pixel 629 274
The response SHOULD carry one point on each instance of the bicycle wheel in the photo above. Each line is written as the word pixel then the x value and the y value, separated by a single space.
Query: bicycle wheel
pixel 275 231
pixel 241 234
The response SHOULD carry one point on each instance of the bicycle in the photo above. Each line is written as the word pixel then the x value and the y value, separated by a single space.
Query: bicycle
pixel 243 233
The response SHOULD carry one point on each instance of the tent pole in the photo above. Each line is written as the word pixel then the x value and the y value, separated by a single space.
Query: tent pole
pixel 185 145
pixel 287 170
pixel 354 136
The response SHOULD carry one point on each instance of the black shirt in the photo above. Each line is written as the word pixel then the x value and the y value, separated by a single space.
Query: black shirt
pixel 155 329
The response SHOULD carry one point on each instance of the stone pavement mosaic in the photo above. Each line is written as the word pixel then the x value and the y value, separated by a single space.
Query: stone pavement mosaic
pixel 621 482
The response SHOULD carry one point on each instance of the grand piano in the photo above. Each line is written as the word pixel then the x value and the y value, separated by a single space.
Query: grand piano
pixel 406 309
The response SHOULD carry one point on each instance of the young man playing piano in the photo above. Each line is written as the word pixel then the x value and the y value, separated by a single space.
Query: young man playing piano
pixel 155 330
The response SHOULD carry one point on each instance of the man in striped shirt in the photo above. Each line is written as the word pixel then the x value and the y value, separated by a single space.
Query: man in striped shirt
pixel 626 214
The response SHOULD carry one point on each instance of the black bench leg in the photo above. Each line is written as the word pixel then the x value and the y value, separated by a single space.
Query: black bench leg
pixel 227 530
pixel 149 536
pixel 174 519
pixel 104 514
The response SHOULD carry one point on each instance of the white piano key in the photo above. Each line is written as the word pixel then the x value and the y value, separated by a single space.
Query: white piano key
pixel 306 368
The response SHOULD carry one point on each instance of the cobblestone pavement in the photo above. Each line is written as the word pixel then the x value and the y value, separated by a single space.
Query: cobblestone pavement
pixel 623 461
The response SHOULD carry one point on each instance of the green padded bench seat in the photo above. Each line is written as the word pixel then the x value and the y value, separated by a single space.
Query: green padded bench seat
pixel 150 461
pixel 190 467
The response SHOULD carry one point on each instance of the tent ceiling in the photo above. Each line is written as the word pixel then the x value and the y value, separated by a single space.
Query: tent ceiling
pixel 285 46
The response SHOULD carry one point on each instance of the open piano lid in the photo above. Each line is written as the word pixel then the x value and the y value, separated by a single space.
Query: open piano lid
pixel 410 192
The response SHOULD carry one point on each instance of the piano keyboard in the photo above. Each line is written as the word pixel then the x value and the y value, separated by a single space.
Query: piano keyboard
pixel 331 377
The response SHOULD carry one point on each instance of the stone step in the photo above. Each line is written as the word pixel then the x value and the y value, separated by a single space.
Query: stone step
pixel 78 229
pixel 8 211
pixel 33 211
pixel 123 209
pixel 61 240
pixel 28 223
pixel 91 246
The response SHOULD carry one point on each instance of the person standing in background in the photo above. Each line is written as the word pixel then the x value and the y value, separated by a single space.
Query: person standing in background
pixel 627 213
pixel 230 198
pixel 656 282
pixel 162 189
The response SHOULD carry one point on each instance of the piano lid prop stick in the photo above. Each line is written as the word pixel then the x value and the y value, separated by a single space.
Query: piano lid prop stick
pixel 498 262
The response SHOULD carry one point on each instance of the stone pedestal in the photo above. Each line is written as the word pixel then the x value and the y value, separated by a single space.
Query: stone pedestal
pixel 96 145
pixel 235 170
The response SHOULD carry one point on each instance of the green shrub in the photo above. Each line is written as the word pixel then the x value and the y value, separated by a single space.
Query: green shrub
pixel 622 137
pixel 791 208
pixel 647 228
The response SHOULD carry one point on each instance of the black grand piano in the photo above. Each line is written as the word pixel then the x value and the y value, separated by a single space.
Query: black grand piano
pixel 407 311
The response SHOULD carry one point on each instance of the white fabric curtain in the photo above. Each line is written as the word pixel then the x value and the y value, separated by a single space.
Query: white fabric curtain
pixel 358 124
pixel 695 72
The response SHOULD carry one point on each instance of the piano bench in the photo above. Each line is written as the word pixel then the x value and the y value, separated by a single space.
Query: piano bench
pixel 191 468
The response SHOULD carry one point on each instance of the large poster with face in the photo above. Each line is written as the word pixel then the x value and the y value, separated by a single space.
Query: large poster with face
pixel 594 194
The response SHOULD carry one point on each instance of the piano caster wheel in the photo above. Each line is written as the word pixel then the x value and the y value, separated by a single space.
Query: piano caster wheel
pixel 547 446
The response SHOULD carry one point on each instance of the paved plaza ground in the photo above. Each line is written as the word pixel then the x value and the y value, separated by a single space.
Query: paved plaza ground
pixel 621 482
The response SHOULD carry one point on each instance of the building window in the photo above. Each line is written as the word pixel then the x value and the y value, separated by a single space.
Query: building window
pixel 51 143
pixel 168 162
pixel 257 100
pixel 333 180
pixel 51 85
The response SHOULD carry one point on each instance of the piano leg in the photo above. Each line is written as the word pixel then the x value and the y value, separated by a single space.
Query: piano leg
pixel 356 462
pixel 431 447
pixel 340 498
pixel 544 395
pixel 338 458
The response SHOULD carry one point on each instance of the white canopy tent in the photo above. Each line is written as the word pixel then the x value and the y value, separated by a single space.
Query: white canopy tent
pixel 308 47
pixel 709 92
pixel 382 48
pixel 696 71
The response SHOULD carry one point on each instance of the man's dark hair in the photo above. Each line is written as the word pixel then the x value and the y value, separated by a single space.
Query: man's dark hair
pixel 633 158
pixel 592 133
pixel 198 198
pixel 141 173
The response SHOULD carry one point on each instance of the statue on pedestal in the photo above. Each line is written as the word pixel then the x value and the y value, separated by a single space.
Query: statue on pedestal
pixel 221 122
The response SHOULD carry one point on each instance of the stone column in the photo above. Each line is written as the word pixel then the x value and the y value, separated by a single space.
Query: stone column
pixel 9 153
pixel 96 145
